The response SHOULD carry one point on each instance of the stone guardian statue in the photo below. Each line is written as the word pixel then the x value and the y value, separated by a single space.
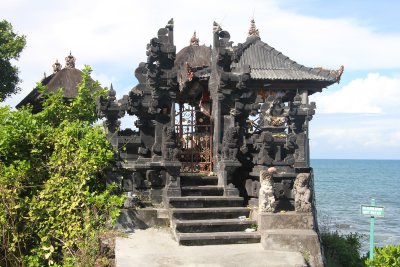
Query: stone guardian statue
pixel 302 193
pixel 266 195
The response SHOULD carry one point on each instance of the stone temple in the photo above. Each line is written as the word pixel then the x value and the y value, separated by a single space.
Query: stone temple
pixel 220 147
pixel 221 143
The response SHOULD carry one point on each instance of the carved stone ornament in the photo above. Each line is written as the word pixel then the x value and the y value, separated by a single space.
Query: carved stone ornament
pixel 266 195
pixel 338 73
pixel 112 93
pixel 253 31
pixel 169 148
pixel 70 61
pixel 302 193
pixel 56 66
pixel 216 27
pixel 229 143
pixel 194 41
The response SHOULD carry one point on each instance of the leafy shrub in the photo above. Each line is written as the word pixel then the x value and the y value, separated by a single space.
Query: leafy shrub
pixel 54 201
pixel 11 46
pixel 387 256
pixel 342 250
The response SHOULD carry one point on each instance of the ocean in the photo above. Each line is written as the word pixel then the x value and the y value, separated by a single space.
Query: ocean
pixel 341 186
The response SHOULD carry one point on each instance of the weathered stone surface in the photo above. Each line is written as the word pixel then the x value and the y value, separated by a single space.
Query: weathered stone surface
pixel 303 241
pixel 155 247
pixel 131 219
pixel 287 220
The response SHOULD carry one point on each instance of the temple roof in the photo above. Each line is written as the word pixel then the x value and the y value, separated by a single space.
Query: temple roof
pixel 67 78
pixel 265 62
pixel 193 61
pixel 195 56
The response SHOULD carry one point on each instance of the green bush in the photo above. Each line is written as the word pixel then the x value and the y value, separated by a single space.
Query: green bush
pixel 387 256
pixel 342 250
pixel 11 46
pixel 54 201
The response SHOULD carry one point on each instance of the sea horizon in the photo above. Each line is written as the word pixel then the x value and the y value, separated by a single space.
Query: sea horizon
pixel 343 185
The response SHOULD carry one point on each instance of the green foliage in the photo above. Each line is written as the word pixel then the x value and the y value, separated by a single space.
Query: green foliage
pixel 54 201
pixel 81 108
pixel 254 226
pixel 11 46
pixel 342 250
pixel 387 256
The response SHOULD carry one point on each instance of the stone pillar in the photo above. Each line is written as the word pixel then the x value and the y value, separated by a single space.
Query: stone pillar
pixel 112 127
pixel 225 170
pixel 172 115
pixel 217 128
pixel 305 101
pixel 173 182
pixel 304 97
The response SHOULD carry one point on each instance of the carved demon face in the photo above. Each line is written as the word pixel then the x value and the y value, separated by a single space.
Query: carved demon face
pixel 266 176
pixel 303 179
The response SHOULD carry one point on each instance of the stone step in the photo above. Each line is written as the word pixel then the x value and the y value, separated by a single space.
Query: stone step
pixel 202 190
pixel 209 213
pixel 217 238
pixel 212 225
pixel 205 201
pixel 198 180
pixel 292 240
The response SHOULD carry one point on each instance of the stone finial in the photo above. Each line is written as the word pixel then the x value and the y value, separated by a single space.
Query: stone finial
pixel 112 93
pixel 170 24
pixel 216 27
pixel 297 99
pixel 338 73
pixel 70 61
pixel 56 66
pixel 253 31
pixel 194 41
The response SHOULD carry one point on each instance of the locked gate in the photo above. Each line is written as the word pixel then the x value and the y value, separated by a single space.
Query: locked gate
pixel 194 133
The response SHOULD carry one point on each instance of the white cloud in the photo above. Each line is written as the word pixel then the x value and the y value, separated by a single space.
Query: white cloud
pixel 355 136
pixel 375 93
pixel 116 33
pixel 332 42
pixel 102 30
pixel 104 79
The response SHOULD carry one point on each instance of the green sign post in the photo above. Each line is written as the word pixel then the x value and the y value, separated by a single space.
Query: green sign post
pixel 372 211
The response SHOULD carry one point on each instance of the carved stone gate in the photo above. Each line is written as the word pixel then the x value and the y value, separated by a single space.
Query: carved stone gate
pixel 194 138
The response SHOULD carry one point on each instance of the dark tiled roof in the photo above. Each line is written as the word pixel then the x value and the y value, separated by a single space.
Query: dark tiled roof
pixel 266 62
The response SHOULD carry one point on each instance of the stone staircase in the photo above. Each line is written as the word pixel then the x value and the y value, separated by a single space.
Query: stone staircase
pixel 204 216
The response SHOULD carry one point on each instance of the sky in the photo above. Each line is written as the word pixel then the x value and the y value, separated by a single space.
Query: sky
pixel 359 118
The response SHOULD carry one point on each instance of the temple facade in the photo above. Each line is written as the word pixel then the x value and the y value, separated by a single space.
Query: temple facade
pixel 222 133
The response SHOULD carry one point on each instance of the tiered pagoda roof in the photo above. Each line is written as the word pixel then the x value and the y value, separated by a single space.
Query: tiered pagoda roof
pixel 266 62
